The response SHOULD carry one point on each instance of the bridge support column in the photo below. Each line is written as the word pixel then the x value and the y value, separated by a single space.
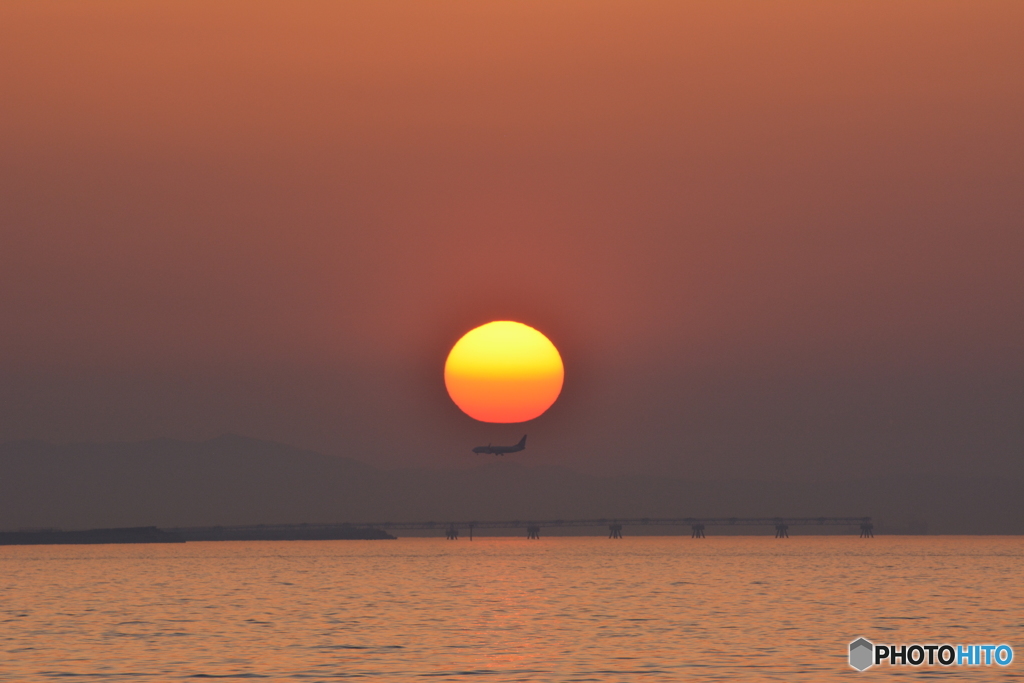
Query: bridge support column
pixel 781 531
pixel 697 531
pixel 451 533
pixel 533 532
pixel 614 531
pixel 867 530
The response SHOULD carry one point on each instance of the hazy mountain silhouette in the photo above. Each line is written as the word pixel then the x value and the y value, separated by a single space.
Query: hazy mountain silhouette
pixel 237 480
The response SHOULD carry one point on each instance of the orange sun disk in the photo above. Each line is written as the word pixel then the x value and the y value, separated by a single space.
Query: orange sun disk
pixel 504 371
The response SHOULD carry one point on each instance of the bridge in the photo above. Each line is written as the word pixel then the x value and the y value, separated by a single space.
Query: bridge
pixel 532 528
pixel 615 526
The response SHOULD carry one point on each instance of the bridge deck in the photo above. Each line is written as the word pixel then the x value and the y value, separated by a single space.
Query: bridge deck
pixel 555 523
pixel 631 521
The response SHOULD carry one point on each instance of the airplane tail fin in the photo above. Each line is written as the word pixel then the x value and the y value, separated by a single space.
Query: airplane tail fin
pixel 522 441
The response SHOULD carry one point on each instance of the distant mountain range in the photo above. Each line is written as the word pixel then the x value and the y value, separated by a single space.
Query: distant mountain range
pixel 235 480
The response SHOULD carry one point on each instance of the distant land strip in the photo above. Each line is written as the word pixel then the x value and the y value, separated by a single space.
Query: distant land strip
pixel 283 532
pixel 140 534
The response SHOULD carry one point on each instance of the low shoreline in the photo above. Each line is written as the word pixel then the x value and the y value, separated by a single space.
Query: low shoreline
pixel 143 534
pixel 152 534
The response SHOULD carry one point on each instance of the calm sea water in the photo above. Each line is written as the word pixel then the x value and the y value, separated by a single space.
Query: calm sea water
pixel 504 609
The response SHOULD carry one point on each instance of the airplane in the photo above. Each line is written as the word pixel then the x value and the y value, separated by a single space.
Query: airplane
pixel 502 450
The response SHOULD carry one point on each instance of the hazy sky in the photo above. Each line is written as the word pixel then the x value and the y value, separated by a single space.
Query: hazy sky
pixel 770 239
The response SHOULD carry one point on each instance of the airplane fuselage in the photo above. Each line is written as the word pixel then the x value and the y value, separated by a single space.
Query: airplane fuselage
pixel 501 450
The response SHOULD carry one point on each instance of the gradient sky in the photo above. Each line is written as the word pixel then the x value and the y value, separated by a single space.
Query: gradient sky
pixel 770 239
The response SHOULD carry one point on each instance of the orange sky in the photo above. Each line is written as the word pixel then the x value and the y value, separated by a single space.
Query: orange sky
pixel 276 218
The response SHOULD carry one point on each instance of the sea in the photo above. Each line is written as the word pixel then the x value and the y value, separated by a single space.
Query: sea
pixel 652 608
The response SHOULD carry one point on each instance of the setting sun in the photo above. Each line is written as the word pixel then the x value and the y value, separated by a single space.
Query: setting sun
pixel 504 371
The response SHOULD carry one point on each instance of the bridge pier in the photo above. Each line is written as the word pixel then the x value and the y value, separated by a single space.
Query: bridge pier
pixel 451 533
pixel 614 531
pixel 781 531
pixel 533 532
pixel 867 530
pixel 697 531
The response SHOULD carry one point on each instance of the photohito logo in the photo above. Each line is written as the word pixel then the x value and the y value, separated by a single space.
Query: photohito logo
pixel 864 654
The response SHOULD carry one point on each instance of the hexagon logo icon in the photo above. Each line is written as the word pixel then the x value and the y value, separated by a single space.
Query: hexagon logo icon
pixel 861 654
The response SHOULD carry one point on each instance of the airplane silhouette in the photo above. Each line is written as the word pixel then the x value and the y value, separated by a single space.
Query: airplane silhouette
pixel 502 450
